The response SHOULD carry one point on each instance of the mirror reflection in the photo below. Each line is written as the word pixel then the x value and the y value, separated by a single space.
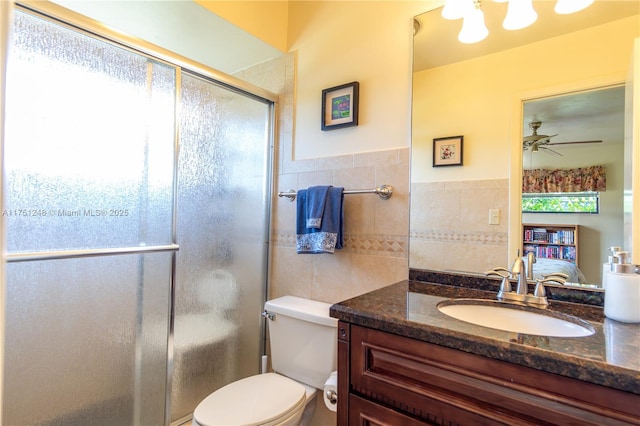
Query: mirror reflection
pixel 467 217
pixel 573 147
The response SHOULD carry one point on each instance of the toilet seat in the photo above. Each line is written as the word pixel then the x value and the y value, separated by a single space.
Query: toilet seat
pixel 263 399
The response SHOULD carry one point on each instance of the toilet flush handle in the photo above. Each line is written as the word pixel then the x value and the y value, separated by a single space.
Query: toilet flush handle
pixel 269 315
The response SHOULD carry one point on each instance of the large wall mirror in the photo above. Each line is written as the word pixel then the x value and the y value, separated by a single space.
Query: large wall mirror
pixel 566 72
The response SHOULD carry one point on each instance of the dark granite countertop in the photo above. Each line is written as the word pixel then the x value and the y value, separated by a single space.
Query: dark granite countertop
pixel 609 357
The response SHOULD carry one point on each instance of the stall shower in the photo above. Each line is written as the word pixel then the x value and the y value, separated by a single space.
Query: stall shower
pixel 137 213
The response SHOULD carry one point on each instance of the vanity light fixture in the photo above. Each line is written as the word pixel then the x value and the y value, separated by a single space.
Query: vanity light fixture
pixel 473 26
pixel 520 14
pixel 564 7
pixel 456 9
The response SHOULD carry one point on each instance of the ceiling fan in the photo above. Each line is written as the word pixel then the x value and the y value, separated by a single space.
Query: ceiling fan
pixel 542 142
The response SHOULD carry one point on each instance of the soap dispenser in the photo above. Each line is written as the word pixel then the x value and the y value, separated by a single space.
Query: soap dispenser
pixel 622 297
pixel 606 267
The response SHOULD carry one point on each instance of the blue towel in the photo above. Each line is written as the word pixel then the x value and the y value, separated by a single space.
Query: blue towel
pixel 329 236
pixel 316 200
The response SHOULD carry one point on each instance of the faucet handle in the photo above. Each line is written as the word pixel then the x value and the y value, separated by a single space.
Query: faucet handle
pixel 505 285
pixel 551 279
pixel 561 275
pixel 499 271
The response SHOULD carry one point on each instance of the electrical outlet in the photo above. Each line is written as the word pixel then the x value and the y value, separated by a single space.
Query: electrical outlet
pixel 494 217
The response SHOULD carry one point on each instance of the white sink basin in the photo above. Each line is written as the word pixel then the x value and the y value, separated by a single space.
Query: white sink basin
pixel 515 318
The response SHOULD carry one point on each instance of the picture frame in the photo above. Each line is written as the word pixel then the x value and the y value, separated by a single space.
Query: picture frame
pixel 447 151
pixel 340 106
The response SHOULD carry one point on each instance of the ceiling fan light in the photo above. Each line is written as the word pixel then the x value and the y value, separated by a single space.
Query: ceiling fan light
pixel 564 7
pixel 520 14
pixel 473 27
pixel 456 9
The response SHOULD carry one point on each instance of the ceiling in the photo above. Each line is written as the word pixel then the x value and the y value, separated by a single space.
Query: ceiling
pixel 591 115
pixel 436 43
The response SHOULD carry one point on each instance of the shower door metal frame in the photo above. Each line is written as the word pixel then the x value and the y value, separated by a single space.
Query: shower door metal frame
pixel 93 28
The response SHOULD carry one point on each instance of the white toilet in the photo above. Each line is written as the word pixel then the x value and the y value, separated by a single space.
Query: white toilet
pixel 303 340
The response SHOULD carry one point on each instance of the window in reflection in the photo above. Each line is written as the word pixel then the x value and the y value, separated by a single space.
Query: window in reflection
pixel 577 202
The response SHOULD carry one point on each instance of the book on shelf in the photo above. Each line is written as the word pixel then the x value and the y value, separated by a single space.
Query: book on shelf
pixel 551 241
pixel 552 252
pixel 541 235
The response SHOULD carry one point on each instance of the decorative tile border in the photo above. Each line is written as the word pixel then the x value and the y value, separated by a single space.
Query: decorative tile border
pixel 379 245
pixel 448 236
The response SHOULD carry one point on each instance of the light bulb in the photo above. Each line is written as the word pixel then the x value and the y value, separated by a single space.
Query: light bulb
pixel 473 27
pixel 520 14
pixel 565 7
pixel 456 9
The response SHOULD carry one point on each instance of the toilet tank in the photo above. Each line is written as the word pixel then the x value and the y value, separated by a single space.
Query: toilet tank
pixel 303 339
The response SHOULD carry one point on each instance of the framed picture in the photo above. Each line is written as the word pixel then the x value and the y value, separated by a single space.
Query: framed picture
pixel 340 106
pixel 447 151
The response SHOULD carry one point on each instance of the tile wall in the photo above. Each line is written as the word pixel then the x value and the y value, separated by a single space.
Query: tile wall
pixel 450 227
pixel 375 230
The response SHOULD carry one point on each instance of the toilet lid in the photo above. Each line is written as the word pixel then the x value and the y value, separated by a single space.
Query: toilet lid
pixel 255 400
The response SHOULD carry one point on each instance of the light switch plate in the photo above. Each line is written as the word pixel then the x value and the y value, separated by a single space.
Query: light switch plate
pixel 494 217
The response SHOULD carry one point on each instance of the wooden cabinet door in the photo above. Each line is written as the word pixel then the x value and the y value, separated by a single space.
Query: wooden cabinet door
pixel 366 413
pixel 447 386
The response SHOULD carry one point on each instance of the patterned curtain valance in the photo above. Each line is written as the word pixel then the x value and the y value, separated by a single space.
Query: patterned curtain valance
pixel 583 179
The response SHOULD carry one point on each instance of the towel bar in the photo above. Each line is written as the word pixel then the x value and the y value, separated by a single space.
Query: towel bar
pixel 383 191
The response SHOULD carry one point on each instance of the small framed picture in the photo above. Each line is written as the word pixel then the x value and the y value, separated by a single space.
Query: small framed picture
pixel 340 106
pixel 447 151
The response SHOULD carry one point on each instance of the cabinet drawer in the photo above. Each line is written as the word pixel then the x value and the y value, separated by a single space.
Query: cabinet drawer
pixel 445 385
pixel 366 413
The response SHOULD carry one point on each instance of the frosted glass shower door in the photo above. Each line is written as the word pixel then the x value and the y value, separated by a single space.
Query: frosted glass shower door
pixel 223 192
pixel 89 166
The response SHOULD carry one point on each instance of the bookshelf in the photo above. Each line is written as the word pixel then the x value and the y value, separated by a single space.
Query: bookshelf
pixel 551 241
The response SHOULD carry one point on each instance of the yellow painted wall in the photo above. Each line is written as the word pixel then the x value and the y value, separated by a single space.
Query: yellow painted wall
pixel 338 42
pixel 480 98
pixel 5 19
pixel 266 20
pixel 342 41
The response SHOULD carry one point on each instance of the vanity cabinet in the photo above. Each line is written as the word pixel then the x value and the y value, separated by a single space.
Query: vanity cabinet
pixel 387 379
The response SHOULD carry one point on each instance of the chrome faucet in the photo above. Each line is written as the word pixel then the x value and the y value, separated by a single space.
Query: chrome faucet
pixel 517 270
pixel 531 259
pixel 521 295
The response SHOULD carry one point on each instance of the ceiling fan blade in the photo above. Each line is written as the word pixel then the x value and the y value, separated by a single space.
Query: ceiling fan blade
pixel 573 142
pixel 551 150
pixel 537 138
pixel 545 139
